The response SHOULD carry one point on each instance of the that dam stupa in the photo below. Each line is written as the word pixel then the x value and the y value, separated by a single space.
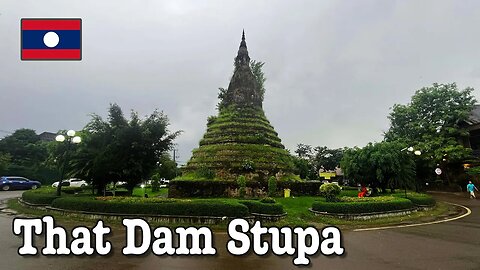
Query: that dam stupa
pixel 240 140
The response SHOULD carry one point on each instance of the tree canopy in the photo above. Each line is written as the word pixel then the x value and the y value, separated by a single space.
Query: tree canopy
pixel 23 153
pixel 120 149
pixel 431 121
pixel 310 159
pixel 384 164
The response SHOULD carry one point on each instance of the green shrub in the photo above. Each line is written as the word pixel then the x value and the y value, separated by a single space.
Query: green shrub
pixel 350 205
pixel 205 173
pixel 268 200
pixel 330 191
pixel 72 190
pixel 199 188
pixel 39 197
pixel 242 184
pixel 418 198
pixel 272 186
pixel 135 205
pixel 300 188
pixel 205 188
pixel 263 208
pixel 349 188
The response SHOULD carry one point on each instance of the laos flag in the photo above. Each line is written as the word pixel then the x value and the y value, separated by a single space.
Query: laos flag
pixel 51 39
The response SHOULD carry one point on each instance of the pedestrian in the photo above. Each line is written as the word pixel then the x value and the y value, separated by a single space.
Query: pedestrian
pixel 471 188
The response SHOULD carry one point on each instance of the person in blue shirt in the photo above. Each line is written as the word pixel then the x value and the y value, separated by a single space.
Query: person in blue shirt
pixel 471 188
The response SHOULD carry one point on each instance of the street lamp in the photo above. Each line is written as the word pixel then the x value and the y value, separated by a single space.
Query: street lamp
pixel 416 153
pixel 69 140
pixel 144 191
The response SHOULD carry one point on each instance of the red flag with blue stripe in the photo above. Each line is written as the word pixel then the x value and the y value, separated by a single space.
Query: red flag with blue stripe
pixel 51 39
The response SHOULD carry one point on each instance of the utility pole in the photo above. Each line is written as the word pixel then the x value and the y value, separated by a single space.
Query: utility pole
pixel 175 150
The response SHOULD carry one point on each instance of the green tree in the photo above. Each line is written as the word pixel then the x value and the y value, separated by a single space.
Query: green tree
pixel 303 168
pixel 166 168
pixel 327 158
pixel 257 70
pixel 27 154
pixel 380 165
pixel 310 160
pixel 4 162
pixel 431 123
pixel 122 150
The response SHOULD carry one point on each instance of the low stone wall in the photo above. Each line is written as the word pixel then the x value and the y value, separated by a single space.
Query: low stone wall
pixel 153 218
pixel 32 205
pixel 150 218
pixel 270 218
pixel 367 216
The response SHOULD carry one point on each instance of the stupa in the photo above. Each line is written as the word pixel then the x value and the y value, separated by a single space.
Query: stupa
pixel 240 140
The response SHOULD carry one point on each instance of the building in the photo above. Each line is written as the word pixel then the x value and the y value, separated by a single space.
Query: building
pixel 47 136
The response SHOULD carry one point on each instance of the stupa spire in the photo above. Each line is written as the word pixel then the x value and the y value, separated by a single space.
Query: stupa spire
pixel 242 56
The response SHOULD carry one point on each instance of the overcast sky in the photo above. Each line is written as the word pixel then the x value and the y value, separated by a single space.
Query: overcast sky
pixel 333 68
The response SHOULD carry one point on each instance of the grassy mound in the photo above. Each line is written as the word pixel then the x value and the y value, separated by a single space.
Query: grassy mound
pixel 238 141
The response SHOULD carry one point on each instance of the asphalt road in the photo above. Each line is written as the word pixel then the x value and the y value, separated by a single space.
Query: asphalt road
pixel 450 245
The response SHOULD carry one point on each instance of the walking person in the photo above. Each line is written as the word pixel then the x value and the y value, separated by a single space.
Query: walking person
pixel 471 188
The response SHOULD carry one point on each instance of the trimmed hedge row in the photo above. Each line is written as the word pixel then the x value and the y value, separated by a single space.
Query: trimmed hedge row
pixel 418 198
pixel 219 188
pixel 199 188
pixel 166 207
pixel 35 197
pixel 263 208
pixel 301 188
pixel 364 206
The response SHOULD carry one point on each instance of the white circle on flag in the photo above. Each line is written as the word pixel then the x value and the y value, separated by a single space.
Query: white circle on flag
pixel 51 39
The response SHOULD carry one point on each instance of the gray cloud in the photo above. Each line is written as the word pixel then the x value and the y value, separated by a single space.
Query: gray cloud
pixel 334 68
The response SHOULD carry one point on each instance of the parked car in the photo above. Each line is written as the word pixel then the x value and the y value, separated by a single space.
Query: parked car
pixel 164 182
pixel 72 182
pixel 17 182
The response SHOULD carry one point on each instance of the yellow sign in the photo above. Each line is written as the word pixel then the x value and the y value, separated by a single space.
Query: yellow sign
pixel 328 175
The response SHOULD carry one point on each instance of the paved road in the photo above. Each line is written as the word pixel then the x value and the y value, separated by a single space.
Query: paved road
pixel 10 194
pixel 451 245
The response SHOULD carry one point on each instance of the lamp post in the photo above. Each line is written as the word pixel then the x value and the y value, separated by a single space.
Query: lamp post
pixel 417 152
pixel 69 140
pixel 144 191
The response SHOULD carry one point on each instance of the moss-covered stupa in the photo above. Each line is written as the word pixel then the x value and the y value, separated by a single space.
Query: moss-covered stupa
pixel 240 140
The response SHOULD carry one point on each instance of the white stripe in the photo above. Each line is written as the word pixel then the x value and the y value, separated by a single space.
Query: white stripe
pixel 420 224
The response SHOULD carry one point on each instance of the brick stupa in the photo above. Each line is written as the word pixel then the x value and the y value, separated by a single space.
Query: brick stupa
pixel 240 140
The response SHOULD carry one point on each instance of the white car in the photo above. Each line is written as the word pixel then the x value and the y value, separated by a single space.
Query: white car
pixel 72 182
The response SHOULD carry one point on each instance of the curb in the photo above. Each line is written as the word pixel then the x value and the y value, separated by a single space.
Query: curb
pixel 468 212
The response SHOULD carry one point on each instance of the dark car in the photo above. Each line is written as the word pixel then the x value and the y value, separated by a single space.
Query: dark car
pixel 17 182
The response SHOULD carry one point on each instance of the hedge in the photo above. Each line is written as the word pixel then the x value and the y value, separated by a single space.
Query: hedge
pixel 199 188
pixel 363 205
pixel 36 197
pixel 263 208
pixel 301 188
pixel 217 208
pixel 418 198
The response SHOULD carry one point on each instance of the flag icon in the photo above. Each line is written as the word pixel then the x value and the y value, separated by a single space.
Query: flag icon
pixel 51 39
